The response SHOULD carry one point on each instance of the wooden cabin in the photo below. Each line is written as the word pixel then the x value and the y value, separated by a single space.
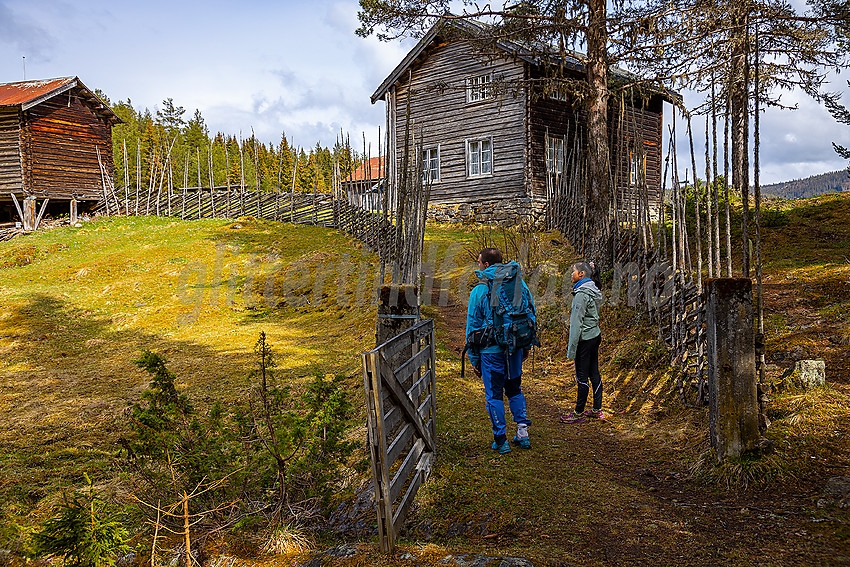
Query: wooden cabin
pixel 50 134
pixel 497 139
pixel 364 186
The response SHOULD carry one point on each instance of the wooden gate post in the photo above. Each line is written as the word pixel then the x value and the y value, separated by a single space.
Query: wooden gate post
pixel 377 449
pixel 398 310
pixel 732 399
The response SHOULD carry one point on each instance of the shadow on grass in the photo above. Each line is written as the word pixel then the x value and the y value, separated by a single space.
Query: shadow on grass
pixel 67 380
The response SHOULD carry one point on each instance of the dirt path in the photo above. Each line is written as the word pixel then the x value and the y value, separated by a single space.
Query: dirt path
pixel 604 493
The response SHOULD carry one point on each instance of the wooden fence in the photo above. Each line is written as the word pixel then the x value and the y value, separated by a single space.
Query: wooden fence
pixel 399 378
pixel 333 211
pixel 673 301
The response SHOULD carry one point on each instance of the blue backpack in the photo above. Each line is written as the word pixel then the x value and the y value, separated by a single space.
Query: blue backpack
pixel 512 322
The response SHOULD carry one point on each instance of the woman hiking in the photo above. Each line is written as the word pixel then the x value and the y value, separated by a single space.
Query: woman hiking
pixel 585 337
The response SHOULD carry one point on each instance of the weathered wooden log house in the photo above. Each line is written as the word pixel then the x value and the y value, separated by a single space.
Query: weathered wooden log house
pixel 499 140
pixel 364 186
pixel 50 134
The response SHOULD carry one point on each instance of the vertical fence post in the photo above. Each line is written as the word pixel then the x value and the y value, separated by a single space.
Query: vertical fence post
pixel 378 450
pixel 733 405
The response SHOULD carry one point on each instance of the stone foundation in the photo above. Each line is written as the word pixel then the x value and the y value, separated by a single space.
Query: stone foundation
pixel 508 212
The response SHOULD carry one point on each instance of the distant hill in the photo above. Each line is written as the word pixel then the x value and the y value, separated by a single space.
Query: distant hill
pixel 833 182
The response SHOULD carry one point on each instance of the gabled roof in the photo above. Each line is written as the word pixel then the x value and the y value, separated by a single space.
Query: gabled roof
pixel 27 94
pixel 535 54
pixel 371 170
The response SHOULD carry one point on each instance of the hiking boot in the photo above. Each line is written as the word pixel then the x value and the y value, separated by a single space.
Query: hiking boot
pixel 501 449
pixel 521 442
pixel 595 414
pixel 574 417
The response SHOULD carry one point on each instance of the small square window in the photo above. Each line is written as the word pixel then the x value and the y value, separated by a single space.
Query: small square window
pixel 479 87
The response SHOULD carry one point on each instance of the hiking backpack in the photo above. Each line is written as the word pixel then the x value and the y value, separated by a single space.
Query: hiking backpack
pixel 512 322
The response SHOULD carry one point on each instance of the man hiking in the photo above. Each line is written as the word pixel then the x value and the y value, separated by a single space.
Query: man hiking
pixel 501 328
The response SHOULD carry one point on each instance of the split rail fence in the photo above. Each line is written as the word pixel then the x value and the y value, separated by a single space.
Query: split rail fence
pixel 401 407
pixel 192 203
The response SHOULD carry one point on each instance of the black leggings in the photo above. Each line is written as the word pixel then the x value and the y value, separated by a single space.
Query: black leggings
pixel 587 367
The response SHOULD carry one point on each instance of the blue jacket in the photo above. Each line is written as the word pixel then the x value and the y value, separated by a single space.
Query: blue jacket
pixel 479 311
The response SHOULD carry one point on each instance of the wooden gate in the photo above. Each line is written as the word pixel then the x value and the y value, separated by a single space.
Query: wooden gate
pixel 401 411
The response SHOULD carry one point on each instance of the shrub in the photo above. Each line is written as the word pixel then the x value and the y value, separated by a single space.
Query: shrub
pixel 84 532
pixel 275 451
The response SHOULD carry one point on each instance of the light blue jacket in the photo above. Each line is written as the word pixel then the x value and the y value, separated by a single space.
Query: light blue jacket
pixel 584 315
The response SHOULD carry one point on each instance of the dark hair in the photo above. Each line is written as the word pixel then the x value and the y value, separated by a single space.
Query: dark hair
pixel 491 256
pixel 590 270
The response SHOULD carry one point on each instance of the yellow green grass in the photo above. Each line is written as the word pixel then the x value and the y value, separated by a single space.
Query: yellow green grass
pixel 80 304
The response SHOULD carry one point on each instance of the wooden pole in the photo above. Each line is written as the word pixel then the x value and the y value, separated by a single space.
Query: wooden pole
pixel 292 193
pixel 256 170
pixel 698 233
pixel 151 178
pixel 186 529
pixel 126 180
pixel 757 196
pixel 315 185
pixel 726 119
pixel 185 185
pixel 155 533
pixel 241 176
pixel 714 190
pixel 138 172
pixel 227 175
pixel 40 212
pixel 212 180
pixel 708 222
pixel 29 214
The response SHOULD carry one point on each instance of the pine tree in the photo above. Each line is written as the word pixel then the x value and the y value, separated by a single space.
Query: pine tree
pixel 171 117
pixel 196 133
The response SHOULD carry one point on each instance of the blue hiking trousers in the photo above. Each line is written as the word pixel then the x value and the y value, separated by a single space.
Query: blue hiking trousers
pixel 496 386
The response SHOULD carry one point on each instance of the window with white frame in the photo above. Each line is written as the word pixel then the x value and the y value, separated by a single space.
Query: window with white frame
pixel 554 155
pixel 637 167
pixel 431 164
pixel 558 92
pixel 479 157
pixel 479 87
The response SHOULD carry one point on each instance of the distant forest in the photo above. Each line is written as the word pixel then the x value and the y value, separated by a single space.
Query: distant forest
pixel 833 182
pixel 165 149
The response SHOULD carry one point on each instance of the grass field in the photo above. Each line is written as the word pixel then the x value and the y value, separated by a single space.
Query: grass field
pixel 80 304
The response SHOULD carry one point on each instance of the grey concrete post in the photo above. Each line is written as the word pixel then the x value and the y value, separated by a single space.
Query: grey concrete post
pixel 732 399
pixel 73 211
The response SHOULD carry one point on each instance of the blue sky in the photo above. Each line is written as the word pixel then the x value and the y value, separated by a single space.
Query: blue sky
pixel 286 66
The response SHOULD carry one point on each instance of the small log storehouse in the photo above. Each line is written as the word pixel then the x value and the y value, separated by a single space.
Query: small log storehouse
pixel 364 186
pixel 51 132
pixel 497 138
